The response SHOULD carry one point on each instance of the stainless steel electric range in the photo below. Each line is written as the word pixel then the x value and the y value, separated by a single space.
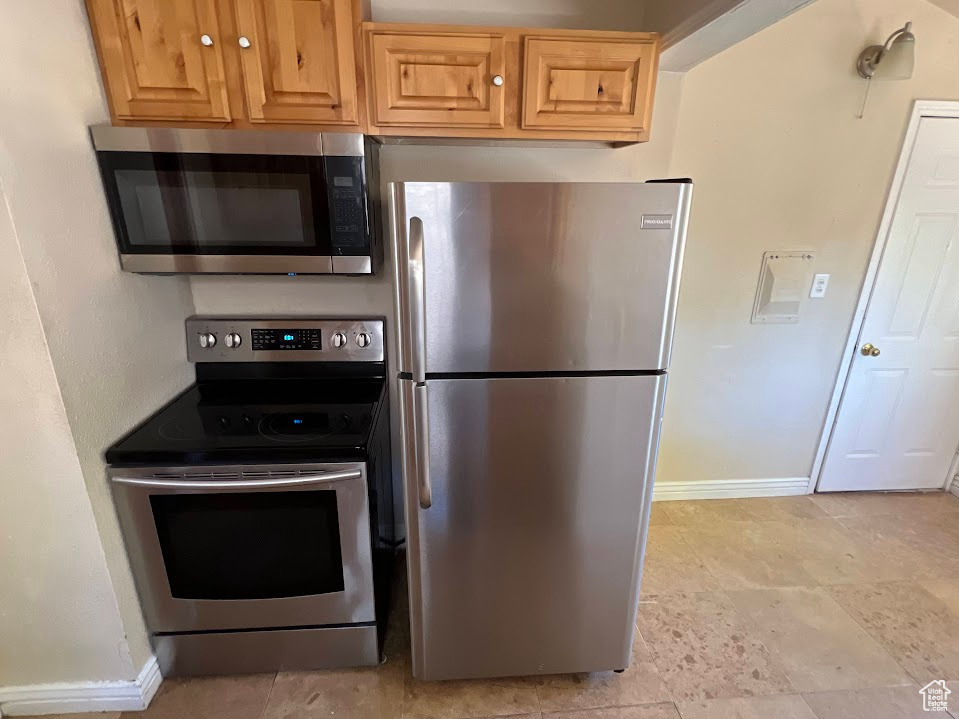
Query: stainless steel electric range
pixel 257 506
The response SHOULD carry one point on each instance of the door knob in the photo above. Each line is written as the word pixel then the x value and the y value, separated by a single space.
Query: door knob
pixel 868 350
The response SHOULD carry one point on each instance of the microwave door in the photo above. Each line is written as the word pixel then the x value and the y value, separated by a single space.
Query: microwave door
pixel 177 212
pixel 224 201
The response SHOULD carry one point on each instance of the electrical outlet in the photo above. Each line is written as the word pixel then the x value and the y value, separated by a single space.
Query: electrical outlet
pixel 819 283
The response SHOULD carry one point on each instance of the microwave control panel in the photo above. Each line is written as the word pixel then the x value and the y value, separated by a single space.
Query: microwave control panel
pixel 346 189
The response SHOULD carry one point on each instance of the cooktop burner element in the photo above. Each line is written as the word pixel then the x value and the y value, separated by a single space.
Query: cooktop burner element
pixel 268 405
pixel 304 426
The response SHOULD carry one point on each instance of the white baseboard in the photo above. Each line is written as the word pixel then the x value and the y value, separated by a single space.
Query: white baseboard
pixel 69 698
pixel 730 488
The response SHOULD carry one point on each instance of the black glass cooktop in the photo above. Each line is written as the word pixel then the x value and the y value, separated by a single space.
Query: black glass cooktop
pixel 258 420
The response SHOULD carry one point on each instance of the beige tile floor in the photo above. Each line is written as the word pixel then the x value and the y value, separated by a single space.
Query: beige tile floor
pixel 828 607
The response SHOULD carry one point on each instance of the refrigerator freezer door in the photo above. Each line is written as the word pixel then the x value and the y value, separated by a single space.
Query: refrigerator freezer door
pixel 528 558
pixel 525 277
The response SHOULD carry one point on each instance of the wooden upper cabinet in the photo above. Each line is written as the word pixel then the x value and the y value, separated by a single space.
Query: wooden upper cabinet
pixel 436 79
pixel 509 83
pixel 304 63
pixel 161 59
pixel 592 84
pixel 298 61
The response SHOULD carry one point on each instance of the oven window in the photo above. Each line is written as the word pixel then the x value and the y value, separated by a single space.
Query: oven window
pixel 217 204
pixel 261 545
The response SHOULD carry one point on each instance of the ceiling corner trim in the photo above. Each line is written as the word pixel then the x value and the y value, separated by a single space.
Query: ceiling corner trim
pixel 708 33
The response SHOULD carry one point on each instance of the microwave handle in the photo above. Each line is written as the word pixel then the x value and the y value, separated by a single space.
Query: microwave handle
pixel 414 258
pixel 303 480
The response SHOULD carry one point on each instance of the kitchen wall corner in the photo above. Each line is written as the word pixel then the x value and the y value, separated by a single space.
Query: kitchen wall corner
pixel 115 353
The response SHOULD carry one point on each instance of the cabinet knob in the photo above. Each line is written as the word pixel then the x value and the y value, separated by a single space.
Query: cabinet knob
pixel 244 42
pixel 498 80
pixel 206 40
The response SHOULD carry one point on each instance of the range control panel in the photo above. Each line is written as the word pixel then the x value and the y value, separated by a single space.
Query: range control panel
pixel 288 338
pixel 291 339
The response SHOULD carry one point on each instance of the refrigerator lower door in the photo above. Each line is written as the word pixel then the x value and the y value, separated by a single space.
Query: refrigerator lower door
pixel 528 503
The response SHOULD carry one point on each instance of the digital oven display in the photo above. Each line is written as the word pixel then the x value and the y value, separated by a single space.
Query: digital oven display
pixel 291 339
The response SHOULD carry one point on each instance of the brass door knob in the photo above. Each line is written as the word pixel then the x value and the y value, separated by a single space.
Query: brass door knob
pixel 868 350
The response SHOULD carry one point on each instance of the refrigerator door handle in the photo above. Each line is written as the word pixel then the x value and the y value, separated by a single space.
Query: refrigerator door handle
pixel 417 300
pixel 422 428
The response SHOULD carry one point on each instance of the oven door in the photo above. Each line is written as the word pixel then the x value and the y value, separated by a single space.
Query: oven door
pixel 248 547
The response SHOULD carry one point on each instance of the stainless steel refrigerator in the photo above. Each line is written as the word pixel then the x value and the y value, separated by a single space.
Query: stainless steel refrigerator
pixel 535 324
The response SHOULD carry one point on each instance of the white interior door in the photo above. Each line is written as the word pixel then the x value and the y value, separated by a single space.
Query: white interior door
pixel 898 421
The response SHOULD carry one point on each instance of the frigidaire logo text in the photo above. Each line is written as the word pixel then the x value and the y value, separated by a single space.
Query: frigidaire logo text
pixel 657 222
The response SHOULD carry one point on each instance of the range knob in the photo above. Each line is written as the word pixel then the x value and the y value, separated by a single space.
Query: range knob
pixel 207 340
pixel 338 339
pixel 233 340
pixel 363 339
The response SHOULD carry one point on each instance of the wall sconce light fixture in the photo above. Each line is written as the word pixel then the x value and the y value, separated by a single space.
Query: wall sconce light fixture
pixel 893 60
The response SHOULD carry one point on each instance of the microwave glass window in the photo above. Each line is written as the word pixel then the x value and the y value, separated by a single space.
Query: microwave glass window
pixel 259 545
pixel 218 204
pixel 141 201
pixel 242 209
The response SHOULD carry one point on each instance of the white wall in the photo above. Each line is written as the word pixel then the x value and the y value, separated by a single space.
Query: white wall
pixel 951 6
pixel 115 339
pixel 58 614
pixel 768 131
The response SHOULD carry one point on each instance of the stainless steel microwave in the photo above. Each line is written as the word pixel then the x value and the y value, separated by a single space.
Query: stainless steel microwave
pixel 234 201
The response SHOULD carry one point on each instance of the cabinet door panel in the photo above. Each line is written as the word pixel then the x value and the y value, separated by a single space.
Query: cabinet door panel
pixel 300 65
pixel 588 84
pixel 442 80
pixel 154 63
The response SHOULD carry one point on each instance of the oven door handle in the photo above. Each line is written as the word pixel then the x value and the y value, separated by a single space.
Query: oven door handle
pixel 303 480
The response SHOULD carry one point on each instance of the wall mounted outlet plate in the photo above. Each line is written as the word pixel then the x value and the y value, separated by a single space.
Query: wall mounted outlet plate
pixel 819 283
